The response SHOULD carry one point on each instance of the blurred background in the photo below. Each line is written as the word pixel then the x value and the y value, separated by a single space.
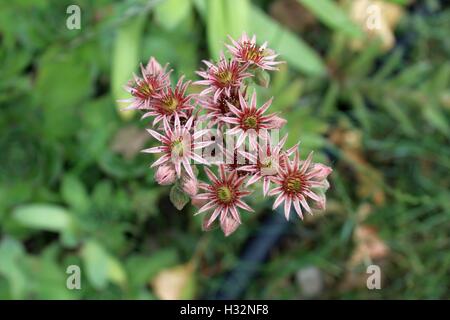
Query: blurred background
pixel 366 85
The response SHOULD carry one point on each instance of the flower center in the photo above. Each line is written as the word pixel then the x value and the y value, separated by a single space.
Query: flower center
pixel 293 184
pixel 250 122
pixel 177 147
pixel 224 194
pixel 252 52
pixel 170 104
pixel 225 76
pixel 143 89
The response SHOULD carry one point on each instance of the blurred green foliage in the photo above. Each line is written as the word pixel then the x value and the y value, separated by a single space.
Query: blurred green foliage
pixel 75 190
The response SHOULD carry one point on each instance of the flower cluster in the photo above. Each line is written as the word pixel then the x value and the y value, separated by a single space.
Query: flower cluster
pixel 225 127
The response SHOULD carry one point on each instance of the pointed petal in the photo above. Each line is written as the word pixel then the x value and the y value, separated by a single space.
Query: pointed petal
pixel 244 206
pixel 305 205
pixel 222 174
pixel 287 207
pixel 278 201
pixel 266 186
pixel 253 179
pixel 206 207
pixel 231 120
pixel 265 106
pixel 306 163
pixel 235 214
pixel 158 149
pixel 199 159
pixel 155 134
pixel 241 139
pixel 298 208
pixel 211 176
pixel 188 168
pixel 234 109
pixel 275 191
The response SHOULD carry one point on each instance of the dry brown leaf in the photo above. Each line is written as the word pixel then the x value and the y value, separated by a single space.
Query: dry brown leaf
pixel 292 14
pixel 369 179
pixel 353 279
pixel 378 19
pixel 129 141
pixel 175 283
pixel 369 246
pixel 445 100
pixel 364 210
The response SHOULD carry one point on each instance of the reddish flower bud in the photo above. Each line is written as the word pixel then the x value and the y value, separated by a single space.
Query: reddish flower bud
pixel 190 186
pixel 165 175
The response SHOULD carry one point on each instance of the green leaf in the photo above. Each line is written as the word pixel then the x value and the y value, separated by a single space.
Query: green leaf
pixel 48 277
pixel 125 59
pixel 330 99
pixel 360 109
pixel 223 18
pixel 11 256
pixel 101 195
pixel 178 197
pixel 332 16
pixel 363 63
pixel 96 264
pixel 309 132
pixel 116 272
pixel 441 80
pixel 296 52
pixel 119 167
pixel 400 2
pixel 200 6
pixel 43 217
pixel 411 75
pixel 436 118
pixel 101 267
pixel 170 13
pixel 237 14
pixel 262 78
pixel 288 96
pixel 63 82
pixel 75 194
pixel 142 268
pixel 397 112
pixel 216 27
pixel 391 62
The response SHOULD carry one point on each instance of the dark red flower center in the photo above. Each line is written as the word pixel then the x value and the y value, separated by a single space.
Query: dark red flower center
pixel 143 89
pixel 170 103
pixel 250 122
pixel 225 77
pixel 252 52
pixel 225 194
pixel 293 183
